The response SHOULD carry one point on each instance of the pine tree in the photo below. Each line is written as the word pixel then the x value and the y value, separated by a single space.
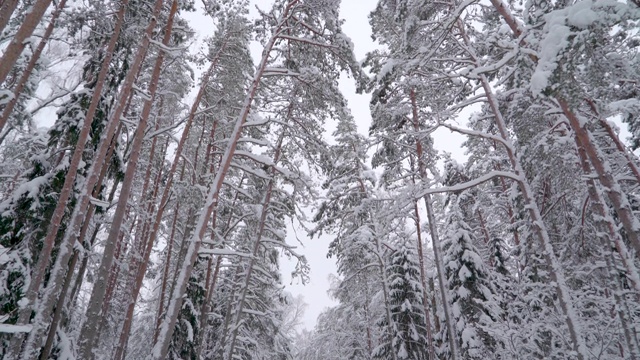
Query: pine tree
pixel 405 297
pixel 469 284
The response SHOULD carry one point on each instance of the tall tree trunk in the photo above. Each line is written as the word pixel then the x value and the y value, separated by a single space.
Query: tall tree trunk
pixel 165 274
pixel 57 314
pixel 89 331
pixel 609 236
pixel 537 223
pixel 54 225
pixel 17 44
pixel 630 157
pixel 615 193
pixel 423 273
pixel 256 246
pixel 62 305
pixel 540 231
pixel 212 279
pixel 167 327
pixel 22 82
pixel 174 165
pixel 617 197
pixel 6 10
pixel 88 244
pixel 435 239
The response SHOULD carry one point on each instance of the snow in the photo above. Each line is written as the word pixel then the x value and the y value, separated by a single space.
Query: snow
pixel 5 96
pixel 556 40
pixel 581 15
pixel 12 329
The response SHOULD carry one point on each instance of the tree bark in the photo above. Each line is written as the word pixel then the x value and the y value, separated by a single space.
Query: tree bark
pixel 89 331
pixel 167 327
pixel 435 239
pixel 174 165
pixel 423 273
pixel 65 193
pixel 540 231
pixel 537 222
pixel 17 44
pixel 616 195
pixel 609 236
pixel 6 10
pixel 22 82
pixel 256 246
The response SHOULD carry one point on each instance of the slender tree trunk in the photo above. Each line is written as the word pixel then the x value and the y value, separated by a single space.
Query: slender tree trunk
pixel 57 314
pixel 17 90
pixel 423 275
pixel 6 10
pixel 631 159
pixel 85 226
pixel 537 222
pixel 58 214
pixel 78 215
pixel 503 184
pixel 165 275
pixel 615 193
pixel 168 187
pixel 423 282
pixel 61 305
pixel 617 197
pixel 211 280
pixel 256 246
pixel 168 324
pixel 17 44
pixel 607 222
pixel 609 236
pixel 385 295
pixel 433 230
pixel 89 331
pixel 540 231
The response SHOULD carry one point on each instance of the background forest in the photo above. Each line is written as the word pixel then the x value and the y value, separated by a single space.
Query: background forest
pixel 149 221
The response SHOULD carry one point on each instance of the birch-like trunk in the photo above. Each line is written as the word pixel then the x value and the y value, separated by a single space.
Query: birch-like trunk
pixel 89 331
pixel 167 327
pixel 22 82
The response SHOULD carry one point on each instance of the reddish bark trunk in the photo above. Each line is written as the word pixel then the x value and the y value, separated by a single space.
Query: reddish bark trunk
pixel 17 44
pixel 422 171
pixel 612 237
pixel 6 10
pixel 22 82
pixel 89 329
pixel 167 327
pixel 56 219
